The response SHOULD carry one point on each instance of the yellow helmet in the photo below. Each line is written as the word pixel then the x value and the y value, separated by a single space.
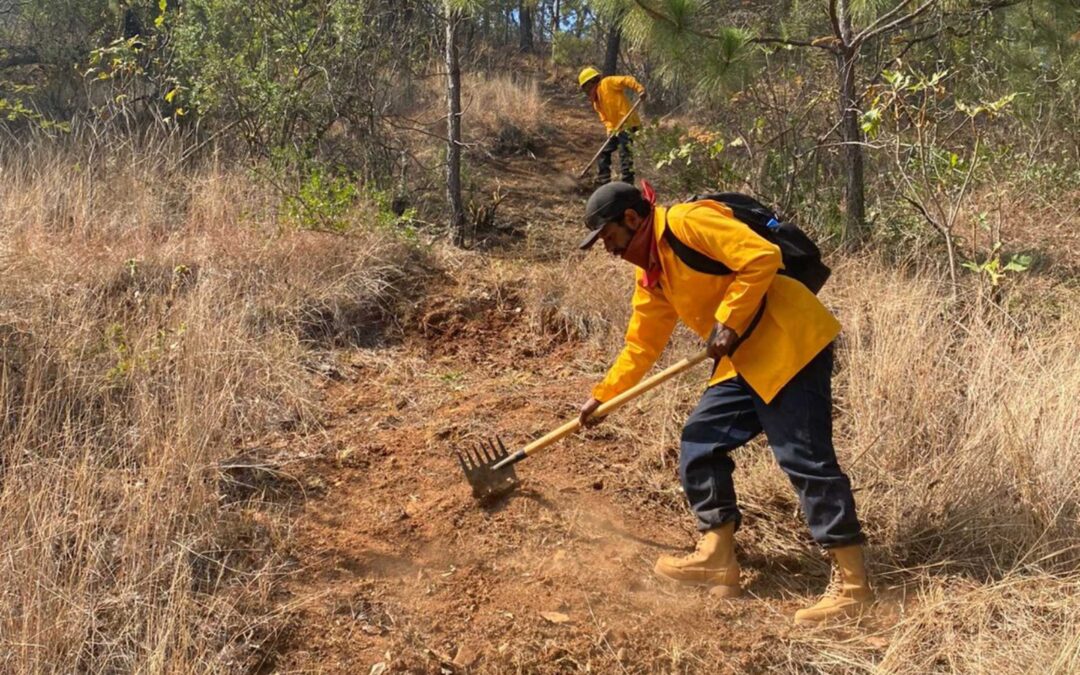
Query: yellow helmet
pixel 587 73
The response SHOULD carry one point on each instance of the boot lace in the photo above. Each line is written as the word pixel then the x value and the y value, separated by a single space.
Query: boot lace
pixel 836 581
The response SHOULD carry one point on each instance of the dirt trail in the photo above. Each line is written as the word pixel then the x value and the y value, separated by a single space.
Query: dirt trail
pixel 395 564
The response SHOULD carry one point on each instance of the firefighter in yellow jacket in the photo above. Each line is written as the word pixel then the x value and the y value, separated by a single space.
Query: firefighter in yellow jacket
pixel 608 98
pixel 773 375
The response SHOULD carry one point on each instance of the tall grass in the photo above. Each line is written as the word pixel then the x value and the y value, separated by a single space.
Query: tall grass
pixel 505 113
pixel 151 322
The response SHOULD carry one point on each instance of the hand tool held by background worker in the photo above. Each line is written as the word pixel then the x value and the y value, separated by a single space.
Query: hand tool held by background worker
pixel 612 135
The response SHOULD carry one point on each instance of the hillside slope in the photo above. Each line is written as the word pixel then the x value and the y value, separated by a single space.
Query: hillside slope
pixel 396 569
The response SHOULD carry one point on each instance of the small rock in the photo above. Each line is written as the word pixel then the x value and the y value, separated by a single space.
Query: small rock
pixel 555 617
pixel 378 669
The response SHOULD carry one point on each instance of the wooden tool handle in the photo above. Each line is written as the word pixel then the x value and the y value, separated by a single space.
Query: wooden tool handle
pixel 609 406
pixel 607 140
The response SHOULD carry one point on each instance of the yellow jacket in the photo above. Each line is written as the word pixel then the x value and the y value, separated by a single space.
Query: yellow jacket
pixel 611 102
pixel 793 329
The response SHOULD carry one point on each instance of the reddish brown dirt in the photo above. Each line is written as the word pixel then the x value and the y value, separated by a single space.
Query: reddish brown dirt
pixel 396 564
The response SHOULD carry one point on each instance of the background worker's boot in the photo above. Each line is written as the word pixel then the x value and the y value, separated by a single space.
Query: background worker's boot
pixel 712 563
pixel 848 592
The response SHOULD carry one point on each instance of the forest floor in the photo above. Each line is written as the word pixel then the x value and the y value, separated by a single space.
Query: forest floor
pixel 398 569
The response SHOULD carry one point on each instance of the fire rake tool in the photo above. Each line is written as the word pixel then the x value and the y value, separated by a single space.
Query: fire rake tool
pixel 490 468
pixel 612 135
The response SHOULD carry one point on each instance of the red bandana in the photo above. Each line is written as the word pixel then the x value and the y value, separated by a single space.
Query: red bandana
pixel 652 273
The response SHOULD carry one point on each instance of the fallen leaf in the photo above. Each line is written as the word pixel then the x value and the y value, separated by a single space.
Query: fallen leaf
pixel 378 669
pixel 555 617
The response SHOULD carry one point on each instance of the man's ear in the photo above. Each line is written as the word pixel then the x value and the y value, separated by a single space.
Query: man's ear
pixel 632 219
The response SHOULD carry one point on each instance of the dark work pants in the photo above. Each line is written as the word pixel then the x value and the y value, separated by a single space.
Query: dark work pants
pixel 621 141
pixel 798 426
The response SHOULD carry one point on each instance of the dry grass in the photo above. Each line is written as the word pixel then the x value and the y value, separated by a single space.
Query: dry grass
pixel 150 323
pixel 505 113
pixel 959 426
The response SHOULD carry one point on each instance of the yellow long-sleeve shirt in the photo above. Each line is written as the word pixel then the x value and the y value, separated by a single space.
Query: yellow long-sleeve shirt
pixel 611 103
pixel 793 329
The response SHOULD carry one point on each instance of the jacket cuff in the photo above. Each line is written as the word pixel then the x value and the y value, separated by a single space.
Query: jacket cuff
pixel 604 392
pixel 723 315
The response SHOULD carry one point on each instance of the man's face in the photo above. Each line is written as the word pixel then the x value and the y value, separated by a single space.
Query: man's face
pixel 617 235
pixel 590 87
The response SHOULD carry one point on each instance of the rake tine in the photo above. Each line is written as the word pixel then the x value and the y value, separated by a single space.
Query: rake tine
pixel 502 448
pixel 493 454
pixel 461 461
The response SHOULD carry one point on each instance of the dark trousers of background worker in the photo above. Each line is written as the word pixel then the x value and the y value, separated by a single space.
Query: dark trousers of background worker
pixel 798 426
pixel 621 141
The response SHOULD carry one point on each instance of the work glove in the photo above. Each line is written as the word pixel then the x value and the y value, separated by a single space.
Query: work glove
pixel 587 409
pixel 721 341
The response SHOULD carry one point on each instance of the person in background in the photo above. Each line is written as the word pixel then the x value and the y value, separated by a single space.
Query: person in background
pixel 609 100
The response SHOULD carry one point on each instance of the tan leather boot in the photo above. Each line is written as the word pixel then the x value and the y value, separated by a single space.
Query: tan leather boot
pixel 712 563
pixel 848 592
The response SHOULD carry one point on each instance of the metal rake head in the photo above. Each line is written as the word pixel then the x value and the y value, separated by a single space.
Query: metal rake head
pixel 487 479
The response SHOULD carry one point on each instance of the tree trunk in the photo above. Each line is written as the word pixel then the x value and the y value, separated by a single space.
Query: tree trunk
pixel 453 127
pixel 851 135
pixel 611 54
pixel 525 43
pixel 554 28
pixel 854 230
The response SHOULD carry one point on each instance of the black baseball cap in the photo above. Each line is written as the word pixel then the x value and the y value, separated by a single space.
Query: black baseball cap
pixel 606 204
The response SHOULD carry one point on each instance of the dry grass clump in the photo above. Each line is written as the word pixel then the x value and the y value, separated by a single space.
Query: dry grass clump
pixel 957 421
pixel 572 299
pixel 150 322
pixel 504 112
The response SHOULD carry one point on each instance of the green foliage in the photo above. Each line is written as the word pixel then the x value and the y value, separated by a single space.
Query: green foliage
pixel 285 72
pixel 13 108
pixel 570 50
pixel 693 48
pixel 336 200
pixel 994 269
pixel 322 202
pixel 691 162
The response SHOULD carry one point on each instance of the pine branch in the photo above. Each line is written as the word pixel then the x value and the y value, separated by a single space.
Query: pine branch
pixel 892 25
pixel 887 16
pixel 657 15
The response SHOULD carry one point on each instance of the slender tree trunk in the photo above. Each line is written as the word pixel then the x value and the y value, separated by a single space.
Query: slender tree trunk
pixel 611 54
pixel 854 231
pixel 453 127
pixel 554 28
pixel 525 43
pixel 851 134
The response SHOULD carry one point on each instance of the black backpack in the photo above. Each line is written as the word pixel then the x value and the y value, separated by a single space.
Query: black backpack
pixel 801 256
